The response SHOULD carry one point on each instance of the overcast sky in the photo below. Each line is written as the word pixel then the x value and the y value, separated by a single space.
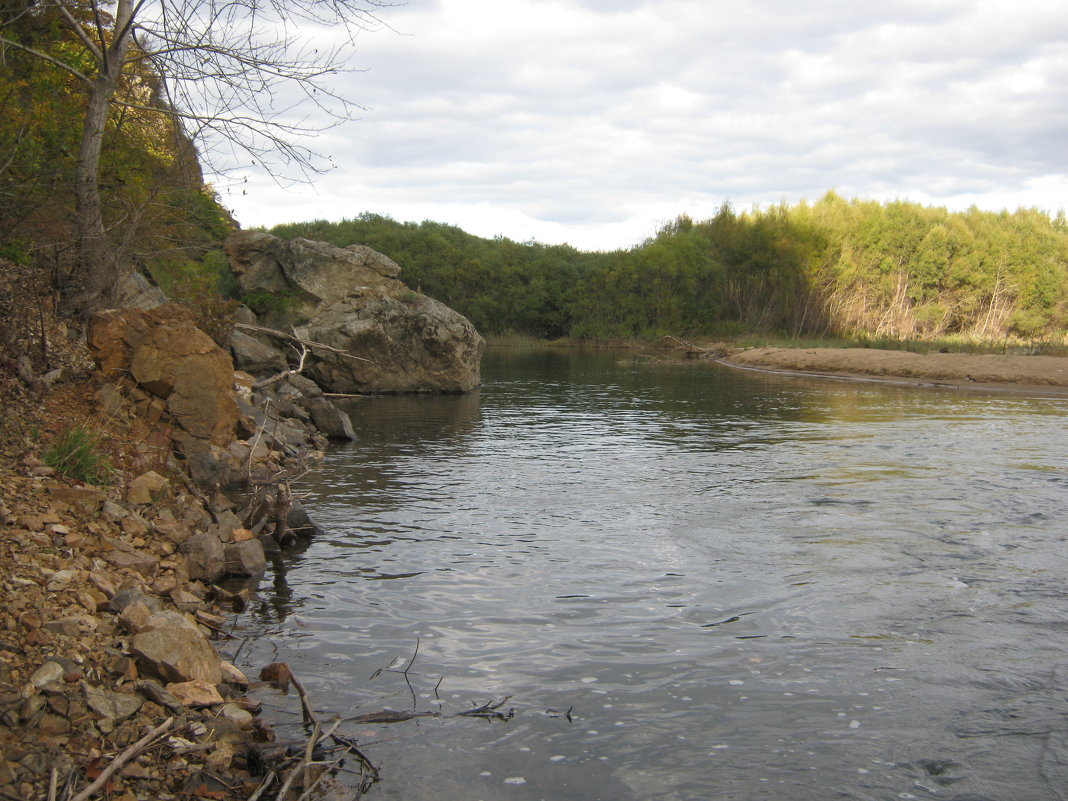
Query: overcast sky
pixel 595 121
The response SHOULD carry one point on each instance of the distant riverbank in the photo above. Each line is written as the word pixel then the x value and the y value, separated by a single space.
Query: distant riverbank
pixel 1040 374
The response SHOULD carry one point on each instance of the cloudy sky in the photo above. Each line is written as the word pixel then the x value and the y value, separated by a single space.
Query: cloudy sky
pixel 594 121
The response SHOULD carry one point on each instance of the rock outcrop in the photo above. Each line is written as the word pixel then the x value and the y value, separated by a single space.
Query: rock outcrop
pixel 177 368
pixel 391 338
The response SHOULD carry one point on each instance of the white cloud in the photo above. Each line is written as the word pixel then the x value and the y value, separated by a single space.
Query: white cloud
pixel 593 122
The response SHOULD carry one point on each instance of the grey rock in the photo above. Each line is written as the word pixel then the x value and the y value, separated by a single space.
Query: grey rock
pixel 204 557
pixel 218 468
pixel 67 626
pixel 169 619
pixel 411 343
pixel 255 357
pixel 243 314
pixel 135 292
pixel 124 598
pixel 143 563
pixel 288 409
pixel 244 558
pixel 300 522
pixel 109 704
pixel 236 714
pixel 329 419
pixel 306 272
pixel 113 511
pixel 157 693
pixel 304 385
pixel 46 674
pixel 228 520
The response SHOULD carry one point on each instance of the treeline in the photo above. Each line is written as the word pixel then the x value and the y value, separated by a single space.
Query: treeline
pixel 835 267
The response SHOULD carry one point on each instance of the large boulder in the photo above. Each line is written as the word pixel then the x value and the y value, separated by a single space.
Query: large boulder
pixel 391 338
pixel 304 275
pixel 411 343
pixel 172 647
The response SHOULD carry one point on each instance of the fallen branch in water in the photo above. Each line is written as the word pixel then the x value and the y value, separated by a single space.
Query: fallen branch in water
pixel 392 669
pixel 390 716
pixel 305 704
pixel 488 711
pixel 365 762
pixel 281 676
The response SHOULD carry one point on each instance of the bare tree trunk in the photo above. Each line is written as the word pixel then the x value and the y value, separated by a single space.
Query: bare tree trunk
pixel 96 272
pixel 99 271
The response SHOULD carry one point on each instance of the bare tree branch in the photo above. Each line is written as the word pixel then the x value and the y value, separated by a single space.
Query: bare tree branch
pixel 55 62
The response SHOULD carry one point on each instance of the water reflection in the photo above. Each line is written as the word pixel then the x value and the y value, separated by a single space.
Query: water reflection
pixel 744 586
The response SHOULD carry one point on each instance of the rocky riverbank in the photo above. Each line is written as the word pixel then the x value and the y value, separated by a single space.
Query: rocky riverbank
pixel 113 610
pixel 1047 375
pixel 142 476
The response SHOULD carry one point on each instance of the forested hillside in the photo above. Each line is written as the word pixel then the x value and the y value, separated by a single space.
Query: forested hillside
pixel 836 267
pixel 158 213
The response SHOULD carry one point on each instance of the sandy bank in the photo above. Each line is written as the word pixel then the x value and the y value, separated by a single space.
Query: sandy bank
pixel 1045 375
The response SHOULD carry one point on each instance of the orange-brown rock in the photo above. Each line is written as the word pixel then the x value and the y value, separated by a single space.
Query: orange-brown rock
pixel 171 359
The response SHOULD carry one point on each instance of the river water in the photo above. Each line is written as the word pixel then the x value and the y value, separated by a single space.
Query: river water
pixel 693 583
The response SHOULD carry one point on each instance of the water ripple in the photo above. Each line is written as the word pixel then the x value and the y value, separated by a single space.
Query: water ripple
pixel 743 586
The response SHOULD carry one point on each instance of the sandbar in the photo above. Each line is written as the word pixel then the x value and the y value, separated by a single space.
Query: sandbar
pixel 1041 375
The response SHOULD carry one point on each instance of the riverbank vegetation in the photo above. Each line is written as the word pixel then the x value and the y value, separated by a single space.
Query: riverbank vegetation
pixel 853 269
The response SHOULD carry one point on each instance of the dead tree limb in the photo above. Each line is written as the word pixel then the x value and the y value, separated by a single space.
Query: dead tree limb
pixel 282 376
pixel 274 332
pixel 688 346
pixel 122 759
pixel 305 704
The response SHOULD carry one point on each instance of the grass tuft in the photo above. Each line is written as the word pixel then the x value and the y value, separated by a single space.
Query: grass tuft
pixel 79 455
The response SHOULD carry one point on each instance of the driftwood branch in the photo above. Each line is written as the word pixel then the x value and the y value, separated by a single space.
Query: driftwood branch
pixel 716 351
pixel 274 332
pixel 689 347
pixel 122 759
pixel 267 782
pixel 304 766
pixel 256 441
pixel 281 676
pixel 305 705
pixel 311 787
pixel 282 376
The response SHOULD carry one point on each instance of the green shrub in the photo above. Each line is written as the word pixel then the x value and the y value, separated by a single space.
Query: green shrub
pixel 79 455
pixel 264 301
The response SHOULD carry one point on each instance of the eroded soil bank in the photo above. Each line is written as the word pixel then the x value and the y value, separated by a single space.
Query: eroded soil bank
pixel 1031 374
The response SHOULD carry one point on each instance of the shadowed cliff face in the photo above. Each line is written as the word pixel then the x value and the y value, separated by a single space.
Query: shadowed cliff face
pixel 351 299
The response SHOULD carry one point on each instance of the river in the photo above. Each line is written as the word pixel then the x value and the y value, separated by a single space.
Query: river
pixel 690 583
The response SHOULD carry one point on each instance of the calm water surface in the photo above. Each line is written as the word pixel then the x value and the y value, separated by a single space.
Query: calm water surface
pixel 742 586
